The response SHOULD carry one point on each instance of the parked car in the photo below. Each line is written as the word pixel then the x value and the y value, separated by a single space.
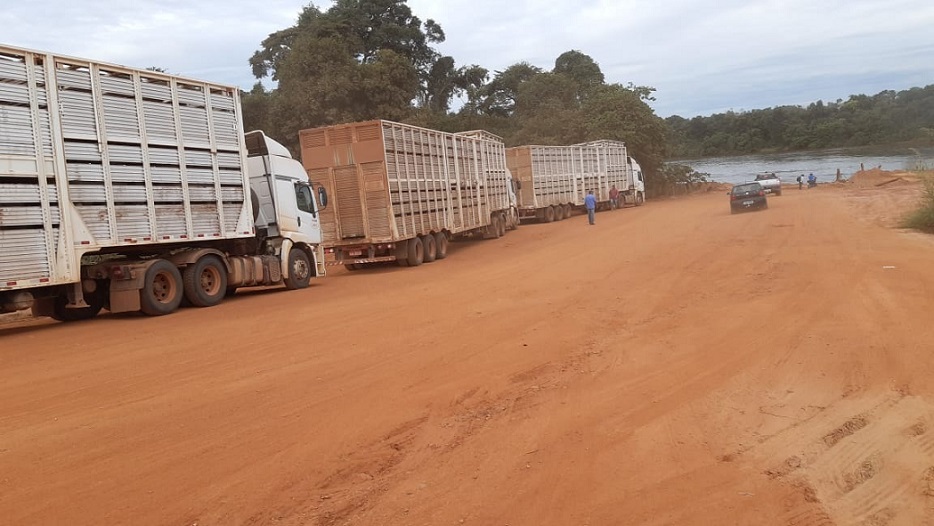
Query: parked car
pixel 747 196
pixel 770 183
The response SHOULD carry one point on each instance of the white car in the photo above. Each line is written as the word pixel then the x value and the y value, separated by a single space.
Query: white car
pixel 770 182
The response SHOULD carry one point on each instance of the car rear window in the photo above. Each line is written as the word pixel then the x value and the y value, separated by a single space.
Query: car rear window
pixel 746 188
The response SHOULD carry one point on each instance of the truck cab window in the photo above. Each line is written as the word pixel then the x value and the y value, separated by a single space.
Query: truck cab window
pixel 304 199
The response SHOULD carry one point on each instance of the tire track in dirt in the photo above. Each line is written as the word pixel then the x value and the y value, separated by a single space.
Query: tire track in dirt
pixel 867 469
pixel 370 470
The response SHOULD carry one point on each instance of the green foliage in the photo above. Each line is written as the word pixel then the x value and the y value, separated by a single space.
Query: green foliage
pixel 501 95
pixel 359 60
pixel 582 70
pixel 923 218
pixel 620 113
pixel 674 178
pixel 885 118
pixel 372 59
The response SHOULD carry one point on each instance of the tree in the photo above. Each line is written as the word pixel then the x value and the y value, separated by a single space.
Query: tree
pixel 445 81
pixel 618 113
pixel 500 96
pixel 582 70
pixel 360 59
pixel 548 111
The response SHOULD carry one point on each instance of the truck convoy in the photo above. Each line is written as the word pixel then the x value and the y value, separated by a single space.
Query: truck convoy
pixel 553 180
pixel 135 190
pixel 401 193
pixel 130 190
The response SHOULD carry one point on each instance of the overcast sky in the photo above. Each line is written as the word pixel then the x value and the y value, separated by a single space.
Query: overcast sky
pixel 702 56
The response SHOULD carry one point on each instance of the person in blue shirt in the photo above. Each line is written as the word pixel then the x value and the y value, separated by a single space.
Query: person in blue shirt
pixel 591 203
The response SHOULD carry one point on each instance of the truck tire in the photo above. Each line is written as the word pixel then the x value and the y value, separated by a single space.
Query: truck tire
pixel 495 226
pixel 441 245
pixel 431 248
pixel 205 282
pixel 299 270
pixel 162 289
pixel 568 210
pixel 416 252
pixel 549 214
pixel 502 225
pixel 401 253
pixel 640 200
pixel 60 312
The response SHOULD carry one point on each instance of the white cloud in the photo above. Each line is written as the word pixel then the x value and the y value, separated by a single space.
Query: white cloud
pixel 702 56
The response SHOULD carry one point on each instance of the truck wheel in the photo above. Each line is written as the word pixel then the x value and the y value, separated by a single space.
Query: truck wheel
pixel 639 199
pixel 299 270
pixel 431 248
pixel 513 220
pixel 401 253
pixel 205 282
pixel 60 312
pixel 416 252
pixel 549 214
pixel 502 225
pixel 352 266
pixel 568 210
pixel 162 289
pixel 441 245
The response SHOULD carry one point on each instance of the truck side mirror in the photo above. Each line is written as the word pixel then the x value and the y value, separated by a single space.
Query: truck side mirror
pixel 322 197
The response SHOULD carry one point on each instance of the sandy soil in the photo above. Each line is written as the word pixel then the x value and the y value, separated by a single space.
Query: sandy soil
pixel 673 364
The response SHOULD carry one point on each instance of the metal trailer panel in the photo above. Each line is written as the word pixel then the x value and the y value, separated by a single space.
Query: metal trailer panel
pixel 553 175
pixel 388 181
pixel 549 175
pixel 613 161
pixel 96 156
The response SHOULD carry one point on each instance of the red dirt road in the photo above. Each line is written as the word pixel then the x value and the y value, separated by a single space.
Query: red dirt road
pixel 673 364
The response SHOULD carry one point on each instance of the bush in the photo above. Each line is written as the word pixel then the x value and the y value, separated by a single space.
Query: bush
pixel 673 179
pixel 923 218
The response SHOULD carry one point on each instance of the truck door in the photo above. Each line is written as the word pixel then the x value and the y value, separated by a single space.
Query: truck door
pixel 298 211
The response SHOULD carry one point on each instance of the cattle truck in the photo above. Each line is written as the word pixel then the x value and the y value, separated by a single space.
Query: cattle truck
pixel 132 190
pixel 553 180
pixel 621 170
pixel 401 193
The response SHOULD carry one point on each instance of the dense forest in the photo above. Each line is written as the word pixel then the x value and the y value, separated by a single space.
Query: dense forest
pixel 374 59
pixel 889 117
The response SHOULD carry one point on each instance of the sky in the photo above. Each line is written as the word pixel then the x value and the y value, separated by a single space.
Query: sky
pixel 701 56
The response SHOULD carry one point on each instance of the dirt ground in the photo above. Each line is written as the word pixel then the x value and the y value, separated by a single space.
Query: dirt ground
pixel 673 364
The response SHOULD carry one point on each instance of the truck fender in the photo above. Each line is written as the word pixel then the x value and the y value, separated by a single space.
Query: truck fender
pixel 287 246
pixel 284 256
pixel 189 257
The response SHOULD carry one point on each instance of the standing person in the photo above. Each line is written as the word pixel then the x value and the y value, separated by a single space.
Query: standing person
pixel 800 181
pixel 812 181
pixel 591 203
pixel 614 197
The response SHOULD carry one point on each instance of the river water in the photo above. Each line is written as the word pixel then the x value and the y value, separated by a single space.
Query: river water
pixel 823 164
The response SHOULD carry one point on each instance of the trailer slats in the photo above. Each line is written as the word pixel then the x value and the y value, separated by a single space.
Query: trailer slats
pixel 389 181
pixel 137 157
